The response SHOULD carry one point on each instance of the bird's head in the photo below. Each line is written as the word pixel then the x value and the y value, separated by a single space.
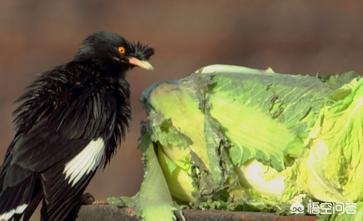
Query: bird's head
pixel 111 49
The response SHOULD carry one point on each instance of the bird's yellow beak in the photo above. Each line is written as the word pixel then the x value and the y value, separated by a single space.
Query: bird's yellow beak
pixel 142 64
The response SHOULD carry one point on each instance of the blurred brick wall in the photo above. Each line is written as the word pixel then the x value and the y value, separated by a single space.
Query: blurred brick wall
pixel 290 36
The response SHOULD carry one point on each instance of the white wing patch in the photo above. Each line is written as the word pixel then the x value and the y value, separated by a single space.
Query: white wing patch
pixel 18 210
pixel 85 162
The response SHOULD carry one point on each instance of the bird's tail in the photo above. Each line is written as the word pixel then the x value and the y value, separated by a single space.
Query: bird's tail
pixel 15 200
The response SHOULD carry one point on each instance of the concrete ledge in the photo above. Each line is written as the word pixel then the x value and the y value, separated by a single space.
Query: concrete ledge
pixel 111 213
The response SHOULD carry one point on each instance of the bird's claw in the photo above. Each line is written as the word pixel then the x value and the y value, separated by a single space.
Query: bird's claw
pixel 87 199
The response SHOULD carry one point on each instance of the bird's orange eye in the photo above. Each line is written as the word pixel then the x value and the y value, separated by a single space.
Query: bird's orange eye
pixel 121 50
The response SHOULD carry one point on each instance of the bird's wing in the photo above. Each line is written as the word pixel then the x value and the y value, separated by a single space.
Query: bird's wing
pixel 58 119
pixel 63 133
pixel 65 147
pixel 63 129
pixel 62 200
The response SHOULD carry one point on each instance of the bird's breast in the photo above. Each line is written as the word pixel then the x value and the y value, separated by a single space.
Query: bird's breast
pixel 85 162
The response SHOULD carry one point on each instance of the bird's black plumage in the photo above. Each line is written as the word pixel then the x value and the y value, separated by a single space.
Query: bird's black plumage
pixel 70 120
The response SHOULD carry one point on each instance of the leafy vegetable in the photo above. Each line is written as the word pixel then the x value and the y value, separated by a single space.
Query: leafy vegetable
pixel 153 202
pixel 331 169
pixel 236 138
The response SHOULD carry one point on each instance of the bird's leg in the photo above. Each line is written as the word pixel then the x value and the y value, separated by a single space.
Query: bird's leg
pixel 89 199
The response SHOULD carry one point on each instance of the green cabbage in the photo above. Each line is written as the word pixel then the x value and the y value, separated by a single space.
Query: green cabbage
pixel 331 169
pixel 236 138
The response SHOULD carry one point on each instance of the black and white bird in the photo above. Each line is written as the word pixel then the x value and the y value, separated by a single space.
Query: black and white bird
pixel 69 123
